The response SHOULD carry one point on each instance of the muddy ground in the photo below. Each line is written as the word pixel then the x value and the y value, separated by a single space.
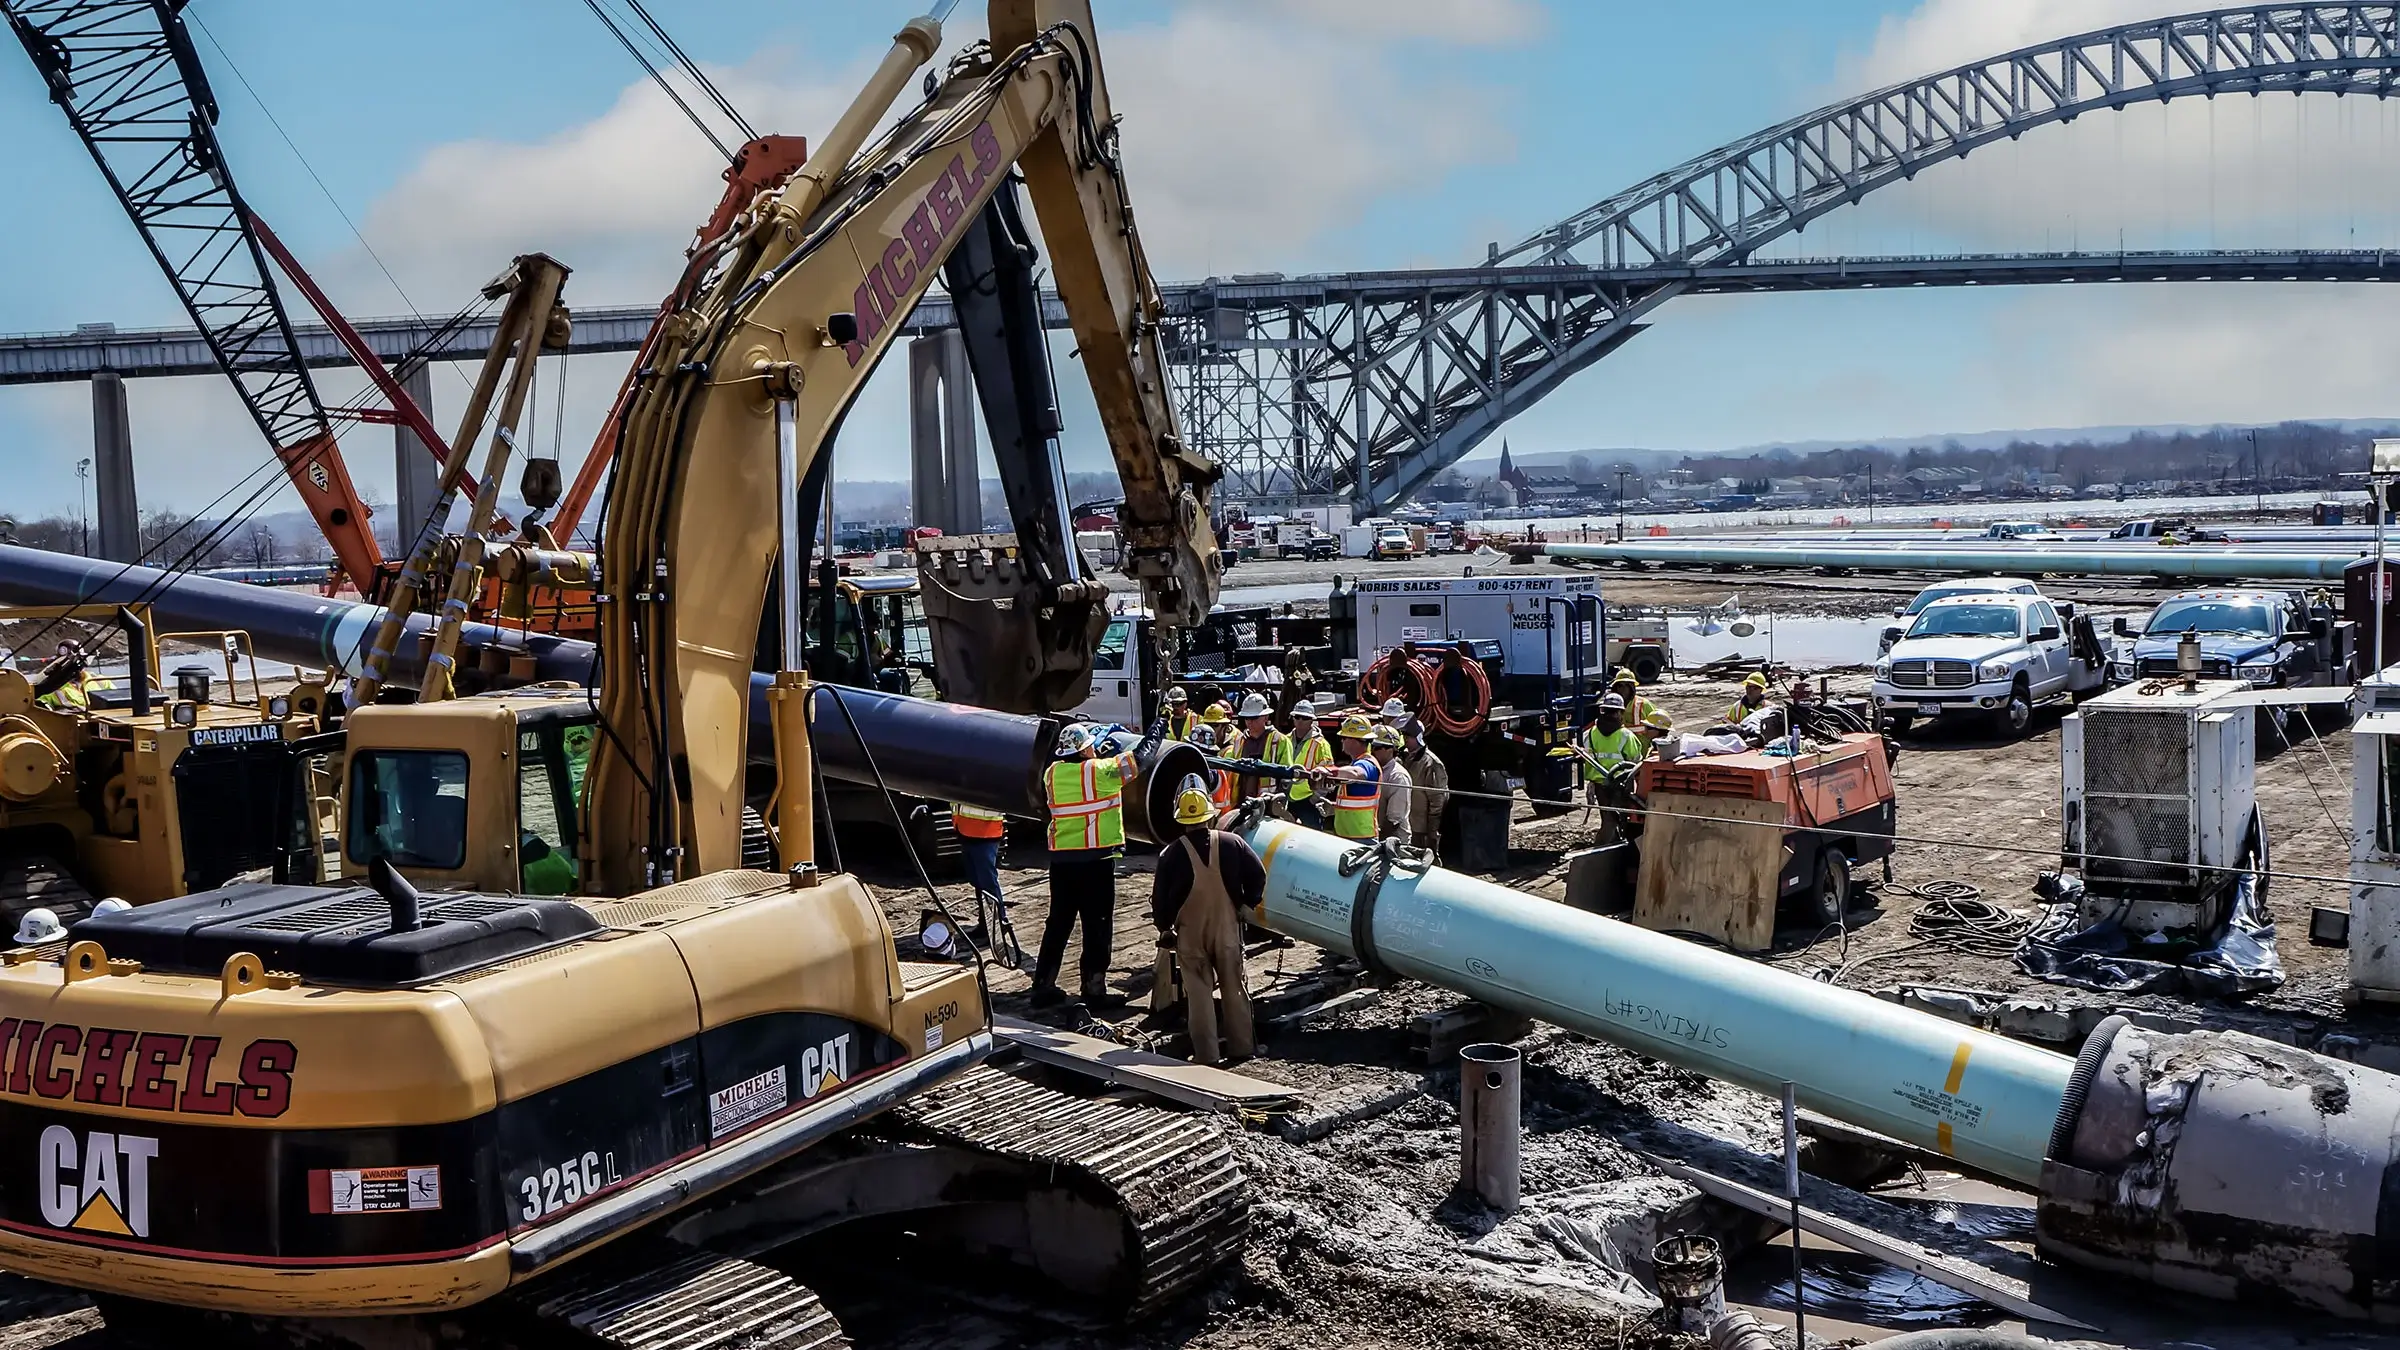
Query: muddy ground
pixel 1362 1240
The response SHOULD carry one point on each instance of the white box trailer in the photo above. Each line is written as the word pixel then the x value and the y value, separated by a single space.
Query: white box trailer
pixel 1534 619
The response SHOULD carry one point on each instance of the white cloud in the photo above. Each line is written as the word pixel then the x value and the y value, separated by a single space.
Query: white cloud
pixel 1473 22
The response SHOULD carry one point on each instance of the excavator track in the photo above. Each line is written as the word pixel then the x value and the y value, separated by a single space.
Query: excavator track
pixel 658 1295
pixel 1171 1175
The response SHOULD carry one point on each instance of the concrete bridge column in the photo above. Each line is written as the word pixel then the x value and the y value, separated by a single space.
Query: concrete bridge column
pixel 946 489
pixel 112 470
pixel 415 473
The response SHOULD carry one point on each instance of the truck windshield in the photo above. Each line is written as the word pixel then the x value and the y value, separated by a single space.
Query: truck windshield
pixel 1932 593
pixel 2249 617
pixel 1966 621
pixel 409 806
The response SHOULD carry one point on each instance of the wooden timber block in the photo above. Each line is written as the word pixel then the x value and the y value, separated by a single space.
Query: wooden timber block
pixel 1716 876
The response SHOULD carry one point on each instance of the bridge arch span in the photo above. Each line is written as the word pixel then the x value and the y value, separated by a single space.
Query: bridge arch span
pixel 1384 396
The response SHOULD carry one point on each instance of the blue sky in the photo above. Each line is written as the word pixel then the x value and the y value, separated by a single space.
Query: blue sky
pixel 1260 135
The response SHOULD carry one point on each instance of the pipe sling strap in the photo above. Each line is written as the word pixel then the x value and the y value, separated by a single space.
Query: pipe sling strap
pixel 1373 861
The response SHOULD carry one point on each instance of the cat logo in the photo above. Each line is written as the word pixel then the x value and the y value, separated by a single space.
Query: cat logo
pixel 101 1187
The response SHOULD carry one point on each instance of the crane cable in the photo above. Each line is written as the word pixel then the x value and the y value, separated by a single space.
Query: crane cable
pixel 626 40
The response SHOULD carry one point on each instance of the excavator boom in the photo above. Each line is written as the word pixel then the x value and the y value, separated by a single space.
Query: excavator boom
pixel 794 312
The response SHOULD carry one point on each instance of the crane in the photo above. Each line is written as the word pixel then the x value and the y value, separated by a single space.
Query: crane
pixel 131 84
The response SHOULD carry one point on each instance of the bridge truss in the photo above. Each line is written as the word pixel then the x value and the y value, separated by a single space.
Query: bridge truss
pixel 1369 392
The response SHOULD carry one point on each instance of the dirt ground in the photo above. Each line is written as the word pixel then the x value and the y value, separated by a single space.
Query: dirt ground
pixel 1361 1238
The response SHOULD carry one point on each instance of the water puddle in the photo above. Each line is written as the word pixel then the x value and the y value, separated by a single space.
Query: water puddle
pixel 1847 1287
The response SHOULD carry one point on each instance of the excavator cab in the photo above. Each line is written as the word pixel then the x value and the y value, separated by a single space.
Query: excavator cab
pixel 479 793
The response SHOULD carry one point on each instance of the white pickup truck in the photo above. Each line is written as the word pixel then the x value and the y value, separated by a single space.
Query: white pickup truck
pixel 1994 656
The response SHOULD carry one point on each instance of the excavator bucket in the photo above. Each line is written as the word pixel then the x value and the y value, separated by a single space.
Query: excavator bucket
pixel 998 639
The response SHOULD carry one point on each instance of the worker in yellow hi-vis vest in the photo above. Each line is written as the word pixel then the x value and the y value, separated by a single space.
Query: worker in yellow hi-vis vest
pixel 1754 697
pixel 1307 750
pixel 1357 786
pixel 1087 835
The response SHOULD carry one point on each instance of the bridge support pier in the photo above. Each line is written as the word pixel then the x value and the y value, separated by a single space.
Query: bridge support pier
pixel 415 474
pixel 112 469
pixel 946 489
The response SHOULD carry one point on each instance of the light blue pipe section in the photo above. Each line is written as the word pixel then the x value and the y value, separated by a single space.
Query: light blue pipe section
pixel 2198 562
pixel 1980 1098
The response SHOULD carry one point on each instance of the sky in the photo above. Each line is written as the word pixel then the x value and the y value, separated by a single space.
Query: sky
pixel 407 151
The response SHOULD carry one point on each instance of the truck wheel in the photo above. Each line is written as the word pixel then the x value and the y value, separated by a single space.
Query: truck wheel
pixel 1829 899
pixel 2016 715
pixel 1646 667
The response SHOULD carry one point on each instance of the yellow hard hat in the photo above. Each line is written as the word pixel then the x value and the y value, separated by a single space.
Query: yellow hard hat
pixel 1623 676
pixel 1386 734
pixel 1356 728
pixel 1757 680
pixel 1192 806
pixel 1216 715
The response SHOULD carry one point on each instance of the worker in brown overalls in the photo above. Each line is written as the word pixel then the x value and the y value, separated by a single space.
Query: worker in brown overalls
pixel 1205 878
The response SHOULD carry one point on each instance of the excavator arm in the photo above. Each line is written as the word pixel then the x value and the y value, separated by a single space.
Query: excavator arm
pixel 798 304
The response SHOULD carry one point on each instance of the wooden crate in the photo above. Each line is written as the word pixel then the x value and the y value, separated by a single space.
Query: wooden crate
pixel 1713 876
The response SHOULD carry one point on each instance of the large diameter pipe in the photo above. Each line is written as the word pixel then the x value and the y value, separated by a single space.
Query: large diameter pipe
pixel 2196 562
pixel 1968 1094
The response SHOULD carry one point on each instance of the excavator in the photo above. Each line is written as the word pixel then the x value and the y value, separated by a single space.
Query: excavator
pixel 445 1097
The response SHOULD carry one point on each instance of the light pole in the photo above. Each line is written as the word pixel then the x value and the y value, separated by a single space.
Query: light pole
pixel 83 514
pixel 1621 472
pixel 2258 487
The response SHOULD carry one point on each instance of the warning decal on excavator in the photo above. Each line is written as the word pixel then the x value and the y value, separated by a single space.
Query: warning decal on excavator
pixel 373 1190
pixel 730 1108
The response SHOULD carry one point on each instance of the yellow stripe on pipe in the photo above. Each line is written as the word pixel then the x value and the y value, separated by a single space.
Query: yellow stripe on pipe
pixel 1958 1071
pixel 1941 1138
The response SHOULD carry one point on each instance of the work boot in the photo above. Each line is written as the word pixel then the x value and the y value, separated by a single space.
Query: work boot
pixel 1105 1000
pixel 1047 996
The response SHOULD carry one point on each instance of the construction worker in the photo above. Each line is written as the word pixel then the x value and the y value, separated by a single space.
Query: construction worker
pixel 1260 741
pixel 1219 720
pixel 1391 811
pixel 61 682
pixel 980 834
pixel 1392 713
pixel 1203 882
pixel 1356 787
pixel 1428 787
pixel 1646 718
pixel 1180 718
pixel 1306 750
pixel 1754 697
pixel 1609 743
pixel 1087 834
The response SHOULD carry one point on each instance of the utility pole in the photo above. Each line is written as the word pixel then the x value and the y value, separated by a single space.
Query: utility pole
pixel 1870 489
pixel 83 512
pixel 1621 472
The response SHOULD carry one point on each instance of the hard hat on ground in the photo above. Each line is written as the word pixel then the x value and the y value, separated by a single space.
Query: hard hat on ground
pixel 1393 709
pixel 1073 739
pixel 1612 703
pixel 39 925
pixel 1255 706
pixel 1356 728
pixel 1623 676
pixel 1757 680
pixel 112 905
pixel 1178 696
pixel 1386 735
pixel 1192 806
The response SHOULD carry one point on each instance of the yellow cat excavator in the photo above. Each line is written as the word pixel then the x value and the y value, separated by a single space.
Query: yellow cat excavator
pixel 442 1099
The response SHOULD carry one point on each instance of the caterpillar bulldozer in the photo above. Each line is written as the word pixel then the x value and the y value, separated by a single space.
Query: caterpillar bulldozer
pixel 452 1093
pixel 142 789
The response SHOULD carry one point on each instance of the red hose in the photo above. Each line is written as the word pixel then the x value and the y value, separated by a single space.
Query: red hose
pixel 1421 674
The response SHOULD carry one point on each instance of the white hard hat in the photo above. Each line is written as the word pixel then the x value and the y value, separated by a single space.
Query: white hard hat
pixel 1073 739
pixel 1255 706
pixel 1394 709
pixel 112 905
pixel 1307 708
pixel 38 926
pixel 1612 702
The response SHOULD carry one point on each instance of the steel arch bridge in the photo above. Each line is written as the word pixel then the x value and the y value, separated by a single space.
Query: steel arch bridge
pixel 1369 394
